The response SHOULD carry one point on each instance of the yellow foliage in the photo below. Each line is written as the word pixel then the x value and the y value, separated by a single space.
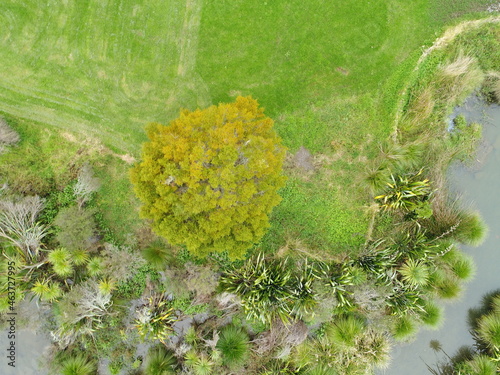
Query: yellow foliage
pixel 209 180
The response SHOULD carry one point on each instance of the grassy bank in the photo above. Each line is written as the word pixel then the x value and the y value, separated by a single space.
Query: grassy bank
pixel 105 70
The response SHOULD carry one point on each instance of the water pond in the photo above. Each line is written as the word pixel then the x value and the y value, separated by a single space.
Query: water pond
pixel 480 185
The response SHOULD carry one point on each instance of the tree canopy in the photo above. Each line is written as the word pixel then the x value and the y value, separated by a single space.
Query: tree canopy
pixel 209 180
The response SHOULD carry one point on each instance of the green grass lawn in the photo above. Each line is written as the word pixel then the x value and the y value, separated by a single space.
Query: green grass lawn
pixel 103 69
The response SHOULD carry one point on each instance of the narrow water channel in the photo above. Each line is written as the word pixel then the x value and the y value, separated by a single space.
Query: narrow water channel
pixel 479 184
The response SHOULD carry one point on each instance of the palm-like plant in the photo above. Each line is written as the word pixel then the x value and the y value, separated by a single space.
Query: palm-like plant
pixel 304 294
pixel 199 363
pixel 266 288
pixel 447 286
pixel 79 257
pixel 405 192
pixel 61 261
pixel 106 286
pixel 234 346
pixel 462 266
pixel 46 291
pixel 157 255
pixel 415 273
pixel 78 365
pixel 160 362
pixel 94 266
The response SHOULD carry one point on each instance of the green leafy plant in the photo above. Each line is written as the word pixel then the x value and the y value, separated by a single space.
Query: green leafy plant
pixel 154 320
pixel 210 179
pixel 78 365
pixel 266 288
pixel 405 192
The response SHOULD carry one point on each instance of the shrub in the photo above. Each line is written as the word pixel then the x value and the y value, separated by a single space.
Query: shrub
pixel 76 228
pixel 234 346
pixel 120 263
pixel 209 180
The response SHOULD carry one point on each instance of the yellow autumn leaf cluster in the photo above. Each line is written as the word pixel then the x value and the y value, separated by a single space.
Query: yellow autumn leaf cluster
pixel 209 180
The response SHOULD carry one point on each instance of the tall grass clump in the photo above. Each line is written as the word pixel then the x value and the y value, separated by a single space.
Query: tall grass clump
pixel 404 328
pixel 489 330
pixel 458 78
pixel 157 255
pixel 479 365
pixel 345 331
pixel 448 287
pixel 234 346
pixel 321 370
pixel 432 315
pixel 472 230
pixel 8 136
pixel 78 365
pixel 160 362
pixel 463 266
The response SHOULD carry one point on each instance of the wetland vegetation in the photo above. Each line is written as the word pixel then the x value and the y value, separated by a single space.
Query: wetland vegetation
pixel 358 254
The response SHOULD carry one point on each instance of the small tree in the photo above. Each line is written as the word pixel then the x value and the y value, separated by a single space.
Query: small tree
pixel 86 185
pixel 209 180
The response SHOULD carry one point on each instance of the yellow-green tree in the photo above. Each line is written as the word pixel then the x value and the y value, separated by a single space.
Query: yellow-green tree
pixel 209 180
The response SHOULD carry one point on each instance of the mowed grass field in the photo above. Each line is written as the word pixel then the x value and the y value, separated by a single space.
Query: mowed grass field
pixel 96 71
